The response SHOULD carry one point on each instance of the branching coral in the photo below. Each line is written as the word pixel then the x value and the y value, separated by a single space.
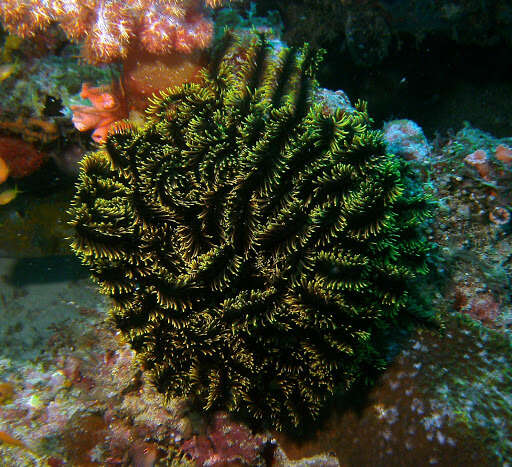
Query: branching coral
pixel 111 27
pixel 254 247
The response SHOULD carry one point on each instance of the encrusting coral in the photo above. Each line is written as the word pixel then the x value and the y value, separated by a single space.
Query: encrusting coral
pixel 255 247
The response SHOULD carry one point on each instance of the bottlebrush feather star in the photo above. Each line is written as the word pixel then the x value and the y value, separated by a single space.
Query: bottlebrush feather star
pixel 255 248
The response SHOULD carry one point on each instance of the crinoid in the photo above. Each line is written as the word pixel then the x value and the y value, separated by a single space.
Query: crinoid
pixel 254 247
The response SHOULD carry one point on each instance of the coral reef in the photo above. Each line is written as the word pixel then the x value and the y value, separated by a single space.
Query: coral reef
pixel 406 139
pixel 147 74
pixel 225 443
pixel 143 76
pixel 444 401
pixel 35 103
pixel 73 392
pixel 111 28
pixel 255 248
pixel 107 108
pixel 31 130
pixel 158 41
pixel 474 225
pixel 21 158
pixel 82 401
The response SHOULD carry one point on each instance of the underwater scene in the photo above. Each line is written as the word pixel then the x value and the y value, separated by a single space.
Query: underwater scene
pixel 255 233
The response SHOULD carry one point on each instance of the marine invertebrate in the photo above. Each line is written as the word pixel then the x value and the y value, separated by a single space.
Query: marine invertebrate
pixel 21 158
pixel 110 28
pixel 225 443
pixel 504 154
pixel 143 75
pixel 254 246
pixel 480 160
pixel 499 215
pixel 146 74
pixel 406 139
pixel 485 308
pixel 108 106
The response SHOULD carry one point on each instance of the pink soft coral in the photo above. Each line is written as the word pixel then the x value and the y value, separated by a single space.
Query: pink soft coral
pixel 110 28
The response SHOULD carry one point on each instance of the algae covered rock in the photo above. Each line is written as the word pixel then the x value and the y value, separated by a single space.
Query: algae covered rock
pixel 255 248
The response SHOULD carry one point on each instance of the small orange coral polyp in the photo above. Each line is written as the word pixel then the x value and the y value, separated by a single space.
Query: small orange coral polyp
pixel 499 216
pixel 480 160
pixel 504 154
